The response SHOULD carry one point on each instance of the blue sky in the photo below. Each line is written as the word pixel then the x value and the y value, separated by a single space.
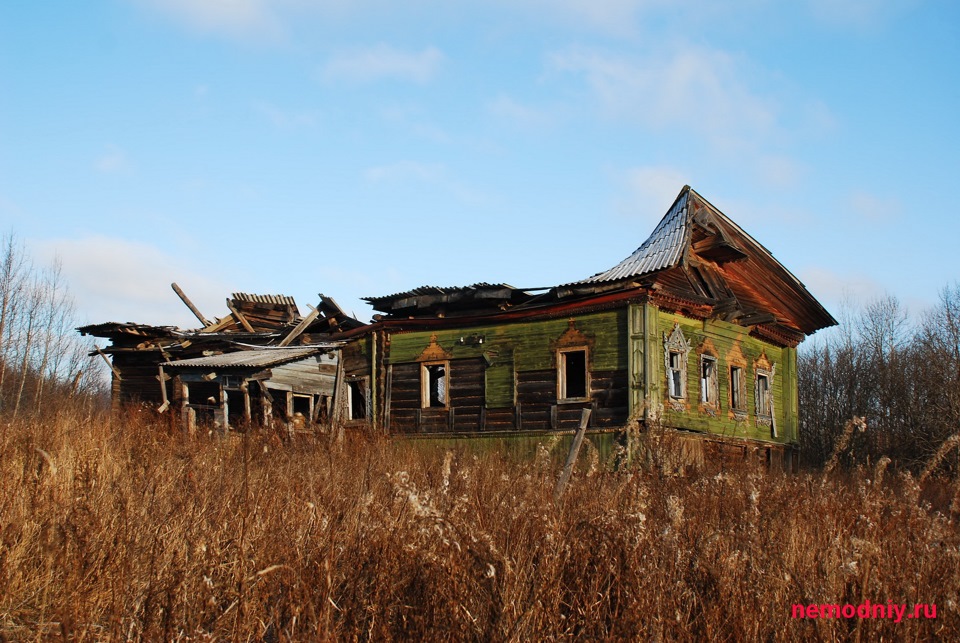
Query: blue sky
pixel 368 147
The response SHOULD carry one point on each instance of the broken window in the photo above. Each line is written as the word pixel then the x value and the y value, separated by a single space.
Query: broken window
pixel 356 399
pixel 675 351
pixel 433 381
pixel 572 376
pixel 763 394
pixel 736 388
pixel 676 374
pixel 708 380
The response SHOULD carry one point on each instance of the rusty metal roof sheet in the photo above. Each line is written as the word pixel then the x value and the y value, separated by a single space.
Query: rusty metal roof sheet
pixel 442 290
pixel 662 249
pixel 259 358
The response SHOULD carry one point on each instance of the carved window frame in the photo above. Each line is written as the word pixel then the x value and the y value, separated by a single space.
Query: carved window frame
pixel 676 349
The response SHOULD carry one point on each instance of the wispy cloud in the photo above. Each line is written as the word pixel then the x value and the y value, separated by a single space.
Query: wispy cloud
pixel 859 13
pixel 650 190
pixel 384 62
pixel 115 279
pixel 875 209
pixel 838 289
pixel 113 161
pixel 405 171
pixel 239 19
pixel 507 108
pixel 699 89
pixel 287 119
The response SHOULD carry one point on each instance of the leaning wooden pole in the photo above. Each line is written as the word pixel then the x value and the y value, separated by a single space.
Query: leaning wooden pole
pixel 572 456
pixel 186 300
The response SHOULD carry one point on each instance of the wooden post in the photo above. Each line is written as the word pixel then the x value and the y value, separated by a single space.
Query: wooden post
pixel 163 390
pixel 572 456
pixel 186 300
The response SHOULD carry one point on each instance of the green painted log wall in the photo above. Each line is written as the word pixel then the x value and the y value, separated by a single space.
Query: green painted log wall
pixel 724 336
pixel 521 347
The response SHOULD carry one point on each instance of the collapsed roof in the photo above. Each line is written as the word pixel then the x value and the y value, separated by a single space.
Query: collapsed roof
pixel 696 260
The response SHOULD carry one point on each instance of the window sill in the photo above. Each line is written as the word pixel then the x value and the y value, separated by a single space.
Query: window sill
pixel 573 400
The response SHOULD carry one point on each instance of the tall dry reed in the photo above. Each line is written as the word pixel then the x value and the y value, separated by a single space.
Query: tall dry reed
pixel 124 530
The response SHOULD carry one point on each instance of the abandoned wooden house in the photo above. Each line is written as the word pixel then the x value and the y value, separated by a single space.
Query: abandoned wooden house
pixel 696 330
pixel 261 362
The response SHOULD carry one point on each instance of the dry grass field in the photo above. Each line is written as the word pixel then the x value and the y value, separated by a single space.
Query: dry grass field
pixel 126 531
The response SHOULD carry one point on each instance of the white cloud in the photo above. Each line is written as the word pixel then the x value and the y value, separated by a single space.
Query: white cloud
pixel 405 171
pixel 859 13
pixel 836 290
pixel 113 161
pixel 651 190
pixel 287 119
pixel 698 89
pixel 507 108
pixel 873 208
pixel 115 279
pixel 244 19
pixel 780 171
pixel 384 62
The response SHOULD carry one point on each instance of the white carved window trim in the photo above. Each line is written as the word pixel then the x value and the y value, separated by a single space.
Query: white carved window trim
pixel 676 348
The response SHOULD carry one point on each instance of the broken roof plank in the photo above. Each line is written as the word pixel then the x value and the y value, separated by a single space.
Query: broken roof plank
pixel 239 316
pixel 300 327
pixel 186 300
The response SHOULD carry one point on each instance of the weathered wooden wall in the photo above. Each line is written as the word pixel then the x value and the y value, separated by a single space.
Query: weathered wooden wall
pixel 726 338
pixel 509 381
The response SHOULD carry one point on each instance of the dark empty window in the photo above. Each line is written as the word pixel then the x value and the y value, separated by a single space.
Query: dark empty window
pixel 573 374
pixel 357 391
pixel 434 385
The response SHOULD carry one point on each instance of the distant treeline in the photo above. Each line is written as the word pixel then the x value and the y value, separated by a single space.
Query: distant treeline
pixel 902 377
pixel 43 362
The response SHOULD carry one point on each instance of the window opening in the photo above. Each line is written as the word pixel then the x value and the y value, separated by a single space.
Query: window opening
pixel 708 380
pixel 676 374
pixel 573 374
pixel 736 387
pixel 434 385
pixel 357 391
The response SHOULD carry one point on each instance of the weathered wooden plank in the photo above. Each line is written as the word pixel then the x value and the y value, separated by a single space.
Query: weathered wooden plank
pixel 186 300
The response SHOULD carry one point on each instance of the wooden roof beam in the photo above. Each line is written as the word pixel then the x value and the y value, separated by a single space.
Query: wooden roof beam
pixel 186 300
pixel 239 316
pixel 302 326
